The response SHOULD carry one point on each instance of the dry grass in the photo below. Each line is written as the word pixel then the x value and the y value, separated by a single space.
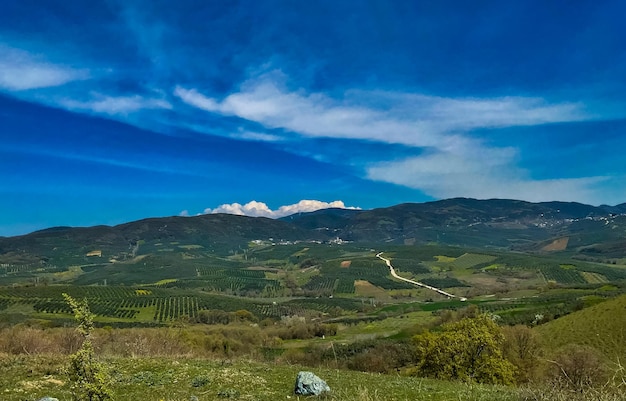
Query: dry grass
pixel 366 289
pixel 559 244
pixel 200 341
pixel 593 278
pixel 554 393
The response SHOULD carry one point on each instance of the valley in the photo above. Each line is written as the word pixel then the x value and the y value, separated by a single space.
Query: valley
pixel 158 271
pixel 331 288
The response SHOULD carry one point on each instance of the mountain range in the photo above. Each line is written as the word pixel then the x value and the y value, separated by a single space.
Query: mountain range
pixel 585 231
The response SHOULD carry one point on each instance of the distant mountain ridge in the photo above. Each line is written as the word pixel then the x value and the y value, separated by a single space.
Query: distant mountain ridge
pixel 511 224
pixel 466 221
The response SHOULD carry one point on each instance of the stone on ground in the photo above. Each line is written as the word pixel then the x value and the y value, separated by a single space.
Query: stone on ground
pixel 309 384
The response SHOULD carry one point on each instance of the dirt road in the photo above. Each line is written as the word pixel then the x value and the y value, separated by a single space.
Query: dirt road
pixel 430 287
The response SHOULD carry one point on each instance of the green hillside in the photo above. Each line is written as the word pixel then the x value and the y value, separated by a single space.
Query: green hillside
pixel 602 326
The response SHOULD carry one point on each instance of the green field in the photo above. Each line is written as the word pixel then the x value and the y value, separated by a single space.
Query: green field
pixel 174 283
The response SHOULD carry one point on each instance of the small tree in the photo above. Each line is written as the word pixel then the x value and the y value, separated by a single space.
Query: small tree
pixel 89 377
pixel 522 349
pixel 469 350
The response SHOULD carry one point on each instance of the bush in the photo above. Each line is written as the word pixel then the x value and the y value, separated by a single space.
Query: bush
pixel 577 367
pixel 383 357
pixel 200 381
pixel 522 349
pixel 469 350
pixel 89 378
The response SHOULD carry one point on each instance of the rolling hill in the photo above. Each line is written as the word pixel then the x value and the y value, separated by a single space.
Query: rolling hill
pixel 601 326
pixel 218 233
pixel 593 233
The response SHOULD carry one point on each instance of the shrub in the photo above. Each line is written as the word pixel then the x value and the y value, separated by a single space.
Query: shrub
pixel 89 378
pixel 522 349
pixel 200 381
pixel 577 367
pixel 383 357
pixel 469 350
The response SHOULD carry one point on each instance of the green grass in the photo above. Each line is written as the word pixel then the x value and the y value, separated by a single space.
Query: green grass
pixel 469 260
pixel 602 326
pixel 30 378
pixel 387 327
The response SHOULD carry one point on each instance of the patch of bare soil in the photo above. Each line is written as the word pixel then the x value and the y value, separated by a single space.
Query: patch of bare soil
pixel 367 289
pixel 557 245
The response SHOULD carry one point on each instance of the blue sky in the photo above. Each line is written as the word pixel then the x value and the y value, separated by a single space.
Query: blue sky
pixel 112 111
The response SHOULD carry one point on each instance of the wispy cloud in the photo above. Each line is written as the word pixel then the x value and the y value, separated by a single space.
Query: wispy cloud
pixel 255 136
pixel 81 155
pixel 409 119
pixel 260 209
pixel 20 70
pixel 452 162
pixel 487 173
pixel 112 105
pixel 196 99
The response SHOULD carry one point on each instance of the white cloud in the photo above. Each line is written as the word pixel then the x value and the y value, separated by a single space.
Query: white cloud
pixel 486 174
pixel 453 163
pixel 196 99
pixel 116 105
pixel 410 119
pixel 19 70
pixel 256 136
pixel 260 209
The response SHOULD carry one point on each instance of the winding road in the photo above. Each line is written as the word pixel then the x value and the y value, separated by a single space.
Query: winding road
pixel 394 274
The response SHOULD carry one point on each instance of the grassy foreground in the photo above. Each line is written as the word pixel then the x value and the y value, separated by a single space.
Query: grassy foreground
pixel 26 378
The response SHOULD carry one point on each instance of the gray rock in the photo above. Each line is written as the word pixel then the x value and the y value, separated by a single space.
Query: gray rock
pixel 48 399
pixel 309 384
pixel 193 398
